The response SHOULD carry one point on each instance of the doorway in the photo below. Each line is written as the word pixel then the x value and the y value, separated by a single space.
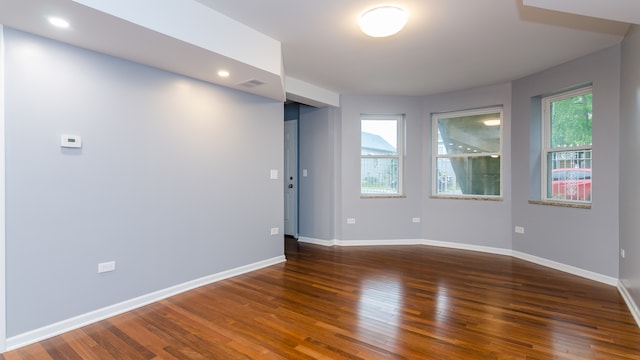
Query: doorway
pixel 291 178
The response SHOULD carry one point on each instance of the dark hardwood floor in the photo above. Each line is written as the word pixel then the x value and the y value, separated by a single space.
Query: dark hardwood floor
pixel 402 302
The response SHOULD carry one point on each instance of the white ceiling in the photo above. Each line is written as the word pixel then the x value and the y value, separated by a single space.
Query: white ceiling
pixel 447 44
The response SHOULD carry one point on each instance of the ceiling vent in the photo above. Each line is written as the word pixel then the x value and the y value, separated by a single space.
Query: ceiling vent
pixel 251 83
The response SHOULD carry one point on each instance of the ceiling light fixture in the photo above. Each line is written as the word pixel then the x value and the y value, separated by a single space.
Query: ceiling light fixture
pixel 492 122
pixel 59 22
pixel 383 21
pixel 223 73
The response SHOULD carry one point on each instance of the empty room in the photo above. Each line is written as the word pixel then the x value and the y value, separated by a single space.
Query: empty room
pixel 319 179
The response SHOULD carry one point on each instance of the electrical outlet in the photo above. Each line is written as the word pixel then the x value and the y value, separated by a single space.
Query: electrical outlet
pixel 351 221
pixel 415 220
pixel 106 266
pixel 519 230
pixel 275 231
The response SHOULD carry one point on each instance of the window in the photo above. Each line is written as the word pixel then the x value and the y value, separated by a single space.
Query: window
pixel 566 158
pixel 467 153
pixel 381 144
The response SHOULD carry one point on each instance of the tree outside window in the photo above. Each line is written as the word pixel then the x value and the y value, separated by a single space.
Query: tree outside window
pixel 567 144
pixel 467 153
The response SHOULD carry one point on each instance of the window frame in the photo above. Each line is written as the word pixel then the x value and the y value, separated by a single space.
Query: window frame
pixel 400 152
pixel 546 102
pixel 435 117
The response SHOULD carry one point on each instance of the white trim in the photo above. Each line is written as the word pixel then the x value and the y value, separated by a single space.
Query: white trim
pixel 567 268
pixel 3 270
pixel 388 242
pixel 345 243
pixel 317 241
pixel 459 246
pixel 48 331
pixel 608 280
pixel 633 307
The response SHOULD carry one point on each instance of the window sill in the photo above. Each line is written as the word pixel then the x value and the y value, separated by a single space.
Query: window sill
pixel 383 196
pixel 495 198
pixel 561 204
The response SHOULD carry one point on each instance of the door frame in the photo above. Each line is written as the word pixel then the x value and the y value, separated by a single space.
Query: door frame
pixel 292 172
pixel 3 301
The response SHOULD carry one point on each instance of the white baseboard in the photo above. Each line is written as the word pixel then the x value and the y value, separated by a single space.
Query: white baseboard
pixel 387 242
pixel 48 331
pixel 633 307
pixel 486 249
pixel 567 268
pixel 317 241
pixel 459 246
pixel 378 242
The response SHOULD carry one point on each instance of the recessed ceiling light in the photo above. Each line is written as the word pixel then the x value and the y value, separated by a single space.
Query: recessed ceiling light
pixel 492 122
pixel 59 22
pixel 383 21
pixel 223 73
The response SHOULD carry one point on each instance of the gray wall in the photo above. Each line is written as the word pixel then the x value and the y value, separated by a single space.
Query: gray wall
pixel 172 181
pixel 318 189
pixel 486 223
pixel 473 222
pixel 379 219
pixel 584 238
pixel 629 165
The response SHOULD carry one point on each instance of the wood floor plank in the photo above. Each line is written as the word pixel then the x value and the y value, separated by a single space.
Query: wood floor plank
pixel 392 302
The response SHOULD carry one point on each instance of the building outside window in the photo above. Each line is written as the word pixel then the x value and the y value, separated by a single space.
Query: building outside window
pixel 381 154
pixel 467 153
pixel 567 146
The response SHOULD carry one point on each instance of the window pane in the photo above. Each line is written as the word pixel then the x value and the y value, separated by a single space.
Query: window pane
pixel 379 175
pixel 379 137
pixel 468 176
pixel 571 120
pixel 469 134
pixel 570 175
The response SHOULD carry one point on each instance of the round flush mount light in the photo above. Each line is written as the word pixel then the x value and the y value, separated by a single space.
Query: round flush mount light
pixel 383 21
pixel 223 73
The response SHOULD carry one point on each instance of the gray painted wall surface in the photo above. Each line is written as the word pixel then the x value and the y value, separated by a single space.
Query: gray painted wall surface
pixel 584 238
pixel 473 222
pixel 317 156
pixel 172 181
pixel 380 219
pixel 629 165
